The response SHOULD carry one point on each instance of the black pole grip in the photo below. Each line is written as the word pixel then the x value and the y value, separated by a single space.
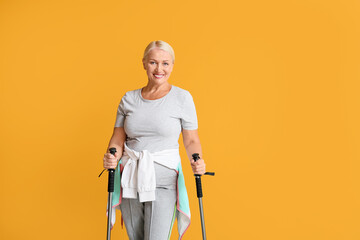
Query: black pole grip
pixel 111 173
pixel 111 180
pixel 198 186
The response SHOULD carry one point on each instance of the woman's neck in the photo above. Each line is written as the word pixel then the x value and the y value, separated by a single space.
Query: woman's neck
pixel 154 88
pixel 155 91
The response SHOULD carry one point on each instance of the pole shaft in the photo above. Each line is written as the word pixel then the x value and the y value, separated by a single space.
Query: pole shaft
pixel 202 219
pixel 108 236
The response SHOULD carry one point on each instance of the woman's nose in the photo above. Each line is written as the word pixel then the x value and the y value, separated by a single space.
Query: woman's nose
pixel 158 67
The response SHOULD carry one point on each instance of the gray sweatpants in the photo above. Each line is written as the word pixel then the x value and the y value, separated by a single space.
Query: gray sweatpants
pixel 152 220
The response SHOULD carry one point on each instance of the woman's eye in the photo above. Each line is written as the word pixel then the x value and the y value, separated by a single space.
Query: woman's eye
pixel 152 63
pixel 166 64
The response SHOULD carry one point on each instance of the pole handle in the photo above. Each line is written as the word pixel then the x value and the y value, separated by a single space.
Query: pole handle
pixel 111 173
pixel 196 157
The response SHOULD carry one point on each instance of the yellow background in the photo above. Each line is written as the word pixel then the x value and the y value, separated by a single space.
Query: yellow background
pixel 275 83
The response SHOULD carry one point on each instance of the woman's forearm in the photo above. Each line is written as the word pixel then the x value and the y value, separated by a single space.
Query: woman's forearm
pixel 192 143
pixel 117 141
pixel 193 147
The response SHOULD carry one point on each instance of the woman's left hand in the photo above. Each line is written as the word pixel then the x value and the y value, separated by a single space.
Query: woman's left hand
pixel 198 167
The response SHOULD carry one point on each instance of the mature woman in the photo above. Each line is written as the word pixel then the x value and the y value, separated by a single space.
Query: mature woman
pixel 147 128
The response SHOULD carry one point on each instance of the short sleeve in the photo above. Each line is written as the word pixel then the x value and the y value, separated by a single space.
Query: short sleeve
pixel 189 118
pixel 120 116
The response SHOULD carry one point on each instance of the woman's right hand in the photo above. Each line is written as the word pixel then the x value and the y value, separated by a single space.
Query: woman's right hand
pixel 110 161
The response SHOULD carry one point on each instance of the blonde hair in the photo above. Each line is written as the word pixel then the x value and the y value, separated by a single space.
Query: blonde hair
pixel 161 45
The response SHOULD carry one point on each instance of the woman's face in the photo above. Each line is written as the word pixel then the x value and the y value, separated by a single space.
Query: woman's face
pixel 158 65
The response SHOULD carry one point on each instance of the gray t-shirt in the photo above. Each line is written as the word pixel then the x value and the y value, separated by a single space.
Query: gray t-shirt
pixel 155 125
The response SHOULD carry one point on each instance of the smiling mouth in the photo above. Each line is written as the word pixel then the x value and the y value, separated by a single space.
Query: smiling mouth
pixel 158 76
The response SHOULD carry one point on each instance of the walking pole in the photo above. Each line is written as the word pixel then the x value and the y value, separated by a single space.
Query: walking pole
pixel 110 190
pixel 196 157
